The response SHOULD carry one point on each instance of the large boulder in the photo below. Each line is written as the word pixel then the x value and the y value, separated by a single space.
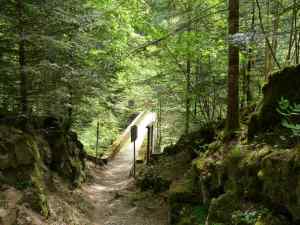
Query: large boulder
pixel 195 141
pixel 265 175
pixel 68 155
pixel 285 84
pixel 18 154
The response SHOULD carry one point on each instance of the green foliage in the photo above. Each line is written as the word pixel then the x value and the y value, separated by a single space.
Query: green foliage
pixel 108 132
pixel 200 213
pixel 289 114
pixel 22 185
pixel 248 217
pixel 86 59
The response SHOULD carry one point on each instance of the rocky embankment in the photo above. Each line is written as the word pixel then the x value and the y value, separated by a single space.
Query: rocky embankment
pixel 251 180
pixel 33 152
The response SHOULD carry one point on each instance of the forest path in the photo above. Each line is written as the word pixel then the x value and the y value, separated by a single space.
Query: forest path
pixel 115 198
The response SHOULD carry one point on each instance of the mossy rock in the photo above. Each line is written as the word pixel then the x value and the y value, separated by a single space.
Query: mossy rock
pixel 271 219
pixel 285 84
pixel 194 141
pixel 267 175
pixel 280 181
pixel 192 214
pixel 152 181
pixel 27 156
pixel 210 176
pixel 183 194
pixel 36 194
pixel 221 208
pixel 183 190
pixel 68 155
pixel 16 148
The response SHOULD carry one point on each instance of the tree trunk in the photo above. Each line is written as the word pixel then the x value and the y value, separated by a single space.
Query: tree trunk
pixel 233 70
pixel 291 38
pixel 248 79
pixel 188 83
pixel 188 96
pixel 244 87
pixel 250 61
pixel 22 62
pixel 275 25
pixel 268 56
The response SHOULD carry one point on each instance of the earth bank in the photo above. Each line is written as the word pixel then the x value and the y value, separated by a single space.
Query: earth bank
pixel 33 153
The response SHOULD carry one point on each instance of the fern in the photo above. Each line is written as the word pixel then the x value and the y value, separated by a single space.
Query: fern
pixel 289 112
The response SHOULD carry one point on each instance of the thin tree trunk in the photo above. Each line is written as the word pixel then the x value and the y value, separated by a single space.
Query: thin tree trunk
pixel 297 48
pixel 288 57
pixel 276 21
pixel 244 86
pixel 268 47
pixel 266 37
pixel 233 70
pixel 292 38
pixel 296 39
pixel 188 96
pixel 22 62
pixel 249 63
pixel 214 104
pixel 248 79
pixel 188 83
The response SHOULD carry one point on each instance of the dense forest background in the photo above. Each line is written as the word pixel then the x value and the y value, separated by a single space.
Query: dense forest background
pixel 88 61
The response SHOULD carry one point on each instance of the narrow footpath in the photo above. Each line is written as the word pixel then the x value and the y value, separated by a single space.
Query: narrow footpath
pixel 115 198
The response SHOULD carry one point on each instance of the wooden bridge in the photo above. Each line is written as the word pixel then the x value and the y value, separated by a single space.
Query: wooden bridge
pixel 145 142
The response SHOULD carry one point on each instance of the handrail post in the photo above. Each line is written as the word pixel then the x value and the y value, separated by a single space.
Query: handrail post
pixel 148 144
pixel 97 143
pixel 134 136
pixel 152 141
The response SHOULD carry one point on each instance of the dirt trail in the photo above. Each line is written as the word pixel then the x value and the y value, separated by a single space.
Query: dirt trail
pixel 113 191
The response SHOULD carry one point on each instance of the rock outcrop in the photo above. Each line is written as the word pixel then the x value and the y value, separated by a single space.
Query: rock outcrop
pixel 285 84
pixel 263 176
pixel 31 150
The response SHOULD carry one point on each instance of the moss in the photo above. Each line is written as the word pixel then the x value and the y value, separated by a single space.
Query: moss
pixel 199 163
pixel 264 174
pixel 15 148
pixel 261 174
pixel 236 153
pixel 221 208
pixel 39 202
pixel 284 83
pixel 183 190
pixel 214 146
pixel 271 219
pixel 77 172
pixel 182 196
pixel 27 157
pixel 233 158
pixel 251 158
pixel 193 214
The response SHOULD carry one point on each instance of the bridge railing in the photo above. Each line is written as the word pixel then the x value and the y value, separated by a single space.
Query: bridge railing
pixel 122 139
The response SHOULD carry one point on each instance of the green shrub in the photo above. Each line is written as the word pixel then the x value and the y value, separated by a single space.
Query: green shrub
pixel 248 217
pixel 290 114
pixel 22 185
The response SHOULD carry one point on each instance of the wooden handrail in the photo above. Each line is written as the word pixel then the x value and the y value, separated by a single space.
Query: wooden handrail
pixel 122 139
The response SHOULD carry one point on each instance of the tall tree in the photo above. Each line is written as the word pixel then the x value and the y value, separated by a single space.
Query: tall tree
pixel 233 69
pixel 21 53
